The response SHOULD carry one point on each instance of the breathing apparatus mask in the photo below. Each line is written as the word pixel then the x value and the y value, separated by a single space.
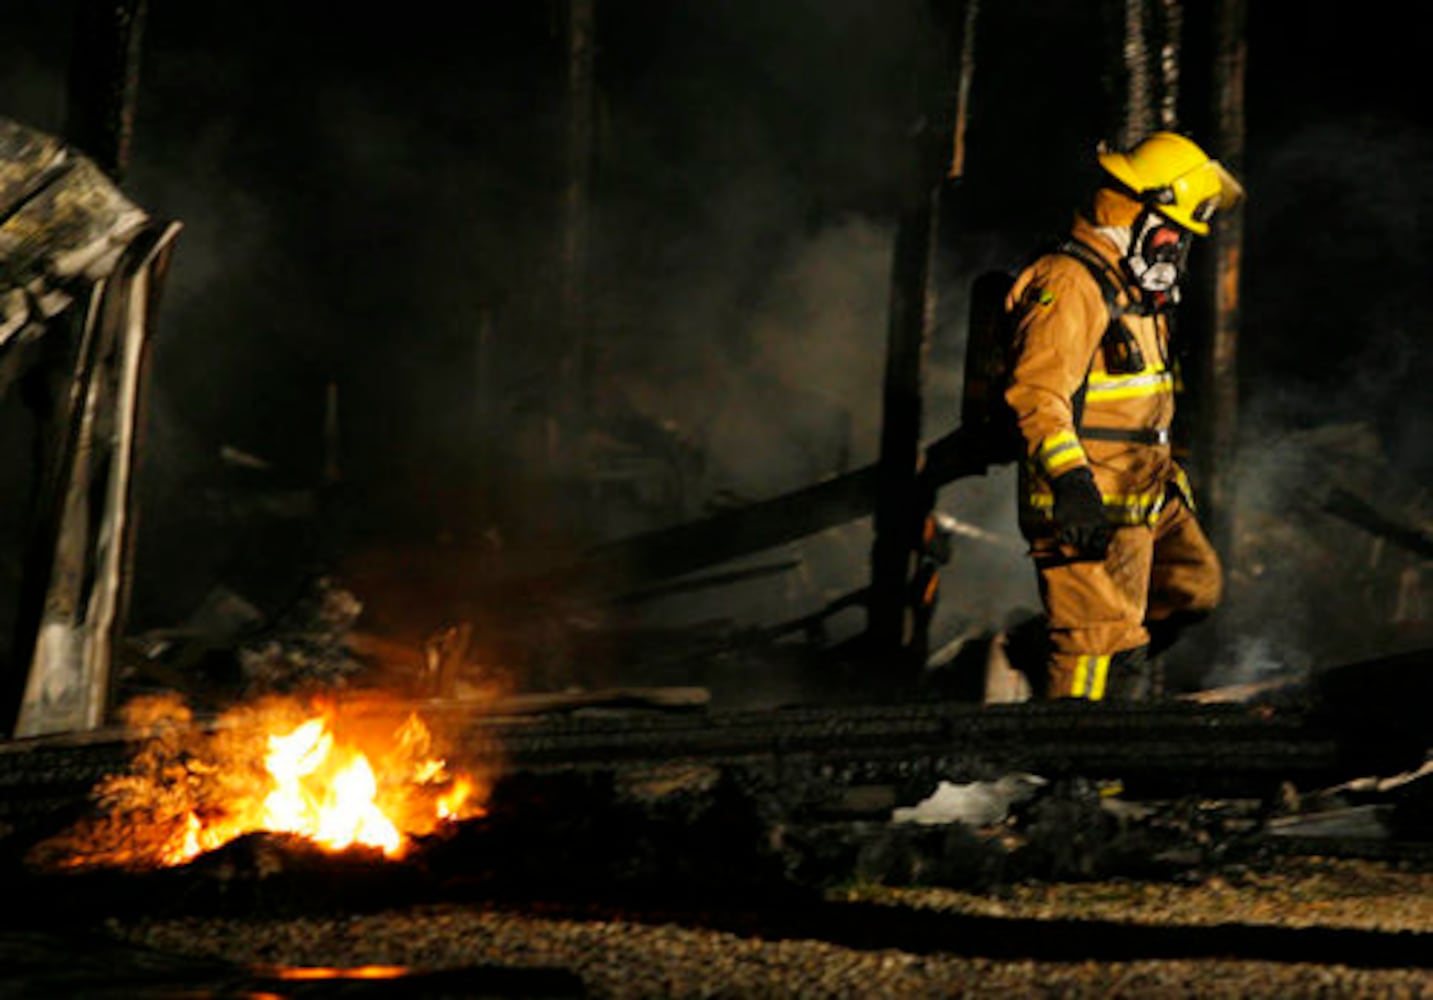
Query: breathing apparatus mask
pixel 1158 251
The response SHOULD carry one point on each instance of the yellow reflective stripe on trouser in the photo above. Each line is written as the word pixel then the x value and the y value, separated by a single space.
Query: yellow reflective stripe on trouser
pixel 1121 508
pixel 1091 675
pixel 1146 383
pixel 1133 508
pixel 1059 450
pixel 1181 483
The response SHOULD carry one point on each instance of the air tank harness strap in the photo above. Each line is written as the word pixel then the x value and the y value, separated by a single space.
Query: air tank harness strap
pixel 1122 353
pixel 1116 342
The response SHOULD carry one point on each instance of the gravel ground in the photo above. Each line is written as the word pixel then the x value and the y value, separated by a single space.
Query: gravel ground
pixel 621 958
pixel 1304 892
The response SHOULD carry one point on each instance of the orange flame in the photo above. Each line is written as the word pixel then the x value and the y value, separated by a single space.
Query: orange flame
pixel 321 796
pixel 279 768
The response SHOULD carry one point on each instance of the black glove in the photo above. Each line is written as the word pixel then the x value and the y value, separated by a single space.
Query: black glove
pixel 1080 513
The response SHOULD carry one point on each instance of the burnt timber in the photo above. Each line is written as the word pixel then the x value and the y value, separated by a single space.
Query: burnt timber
pixel 806 759
pixel 664 553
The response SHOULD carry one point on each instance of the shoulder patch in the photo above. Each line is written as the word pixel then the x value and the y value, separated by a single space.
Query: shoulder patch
pixel 1039 296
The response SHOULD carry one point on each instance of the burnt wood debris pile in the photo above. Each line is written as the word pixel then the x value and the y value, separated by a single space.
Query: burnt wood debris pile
pixel 641 800
pixel 777 825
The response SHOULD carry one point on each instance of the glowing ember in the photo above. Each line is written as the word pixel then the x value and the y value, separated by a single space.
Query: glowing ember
pixel 281 767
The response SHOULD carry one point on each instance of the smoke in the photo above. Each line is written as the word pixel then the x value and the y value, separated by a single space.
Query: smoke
pixel 748 176
pixel 748 160
pixel 1254 659
pixel 347 223
pixel 804 404
pixel 210 368
pixel 1306 589
pixel 1333 389
pixel 366 212
pixel 1336 251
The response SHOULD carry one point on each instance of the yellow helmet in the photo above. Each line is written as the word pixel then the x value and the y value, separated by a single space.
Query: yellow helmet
pixel 1176 178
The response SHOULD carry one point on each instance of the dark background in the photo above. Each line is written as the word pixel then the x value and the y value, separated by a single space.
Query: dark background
pixel 366 197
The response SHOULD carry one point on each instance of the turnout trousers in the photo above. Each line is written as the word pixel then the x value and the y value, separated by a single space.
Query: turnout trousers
pixel 1099 612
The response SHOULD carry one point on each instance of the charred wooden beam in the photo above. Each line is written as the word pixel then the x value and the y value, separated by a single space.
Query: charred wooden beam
pixel 732 534
pixel 815 756
pixel 1357 511
pixel 1347 728
pixel 897 613
pixel 91 264
pixel 1221 389
pixel 901 504
pixel 104 81
pixel 572 356
pixel 706 582
pixel 963 91
pixel 74 605
pixel 136 419
pixel 1224 746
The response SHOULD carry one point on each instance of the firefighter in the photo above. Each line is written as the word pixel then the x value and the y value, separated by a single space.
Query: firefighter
pixel 1107 511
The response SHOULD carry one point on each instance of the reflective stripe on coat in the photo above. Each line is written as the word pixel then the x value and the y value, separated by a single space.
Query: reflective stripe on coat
pixel 1060 319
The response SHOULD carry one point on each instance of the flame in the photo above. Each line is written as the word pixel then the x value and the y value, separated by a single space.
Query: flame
pixel 321 796
pixel 282 767
pixel 450 806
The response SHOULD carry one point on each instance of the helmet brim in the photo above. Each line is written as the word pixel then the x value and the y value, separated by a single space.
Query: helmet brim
pixel 1230 191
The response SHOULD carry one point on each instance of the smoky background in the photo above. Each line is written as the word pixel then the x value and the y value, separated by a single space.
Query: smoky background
pixel 373 205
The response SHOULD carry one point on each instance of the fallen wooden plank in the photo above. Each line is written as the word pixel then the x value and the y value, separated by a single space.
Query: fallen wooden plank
pixel 707 582
pixel 542 702
pixel 1356 511
pixel 1234 693
pixel 733 534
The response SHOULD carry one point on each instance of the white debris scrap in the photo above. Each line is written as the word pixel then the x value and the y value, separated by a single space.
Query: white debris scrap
pixel 979 803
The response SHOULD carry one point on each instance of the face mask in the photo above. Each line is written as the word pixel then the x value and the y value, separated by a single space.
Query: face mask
pixel 1157 252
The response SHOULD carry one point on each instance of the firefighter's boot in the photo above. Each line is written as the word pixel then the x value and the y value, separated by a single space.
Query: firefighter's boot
pixel 1134 676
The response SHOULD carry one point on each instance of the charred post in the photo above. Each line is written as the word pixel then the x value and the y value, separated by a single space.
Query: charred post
pixel 1170 44
pixel 1139 99
pixel 581 28
pixel 898 598
pixel 1221 388
pixel 92 264
pixel 74 598
pixel 104 81
pixel 899 498
pixel 962 96
pixel 1143 71
pixel 485 412
pixel 137 427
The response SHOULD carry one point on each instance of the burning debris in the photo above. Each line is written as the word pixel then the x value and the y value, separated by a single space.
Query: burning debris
pixel 365 771
pixel 337 775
